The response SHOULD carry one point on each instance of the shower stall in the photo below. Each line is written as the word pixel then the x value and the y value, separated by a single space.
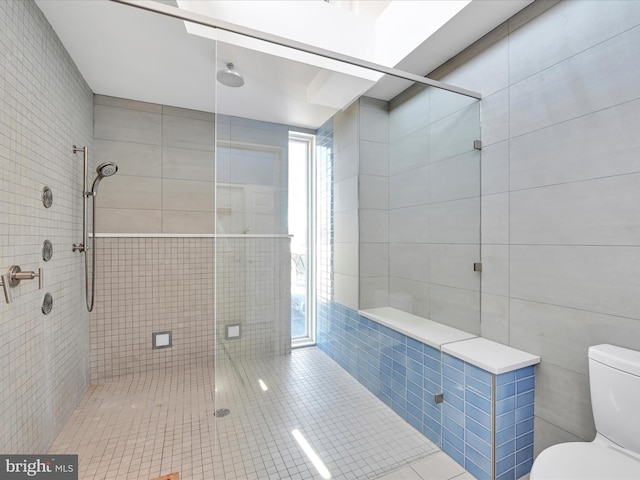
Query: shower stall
pixel 193 260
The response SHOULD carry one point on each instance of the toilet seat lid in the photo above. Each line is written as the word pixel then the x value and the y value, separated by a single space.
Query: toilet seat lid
pixel 583 461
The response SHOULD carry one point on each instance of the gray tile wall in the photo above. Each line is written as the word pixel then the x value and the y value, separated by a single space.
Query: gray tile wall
pixel 560 181
pixel 45 108
pixel 347 220
pixel 166 182
pixel 374 203
pixel 434 207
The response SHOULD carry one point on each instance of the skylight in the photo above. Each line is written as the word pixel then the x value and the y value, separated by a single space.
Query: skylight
pixel 378 31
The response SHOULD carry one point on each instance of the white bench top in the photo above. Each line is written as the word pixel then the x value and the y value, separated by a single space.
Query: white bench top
pixel 483 353
pixel 426 331
pixel 490 356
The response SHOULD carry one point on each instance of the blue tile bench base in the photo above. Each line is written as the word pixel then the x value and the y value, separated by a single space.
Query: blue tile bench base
pixel 472 397
pixel 401 371
pixel 406 374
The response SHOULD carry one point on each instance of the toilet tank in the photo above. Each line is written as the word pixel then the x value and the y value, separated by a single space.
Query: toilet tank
pixel 614 378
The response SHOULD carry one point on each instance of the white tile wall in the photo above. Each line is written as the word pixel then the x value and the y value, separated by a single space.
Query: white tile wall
pixel 595 278
pixel 128 191
pixel 186 164
pixel 494 317
pixel 186 132
pixel 346 194
pixel 409 261
pixel 410 225
pixel 347 224
pixel 589 212
pixel 253 287
pixel 495 168
pixel 579 143
pixel 45 108
pixel 374 225
pixel 599 77
pixel 410 296
pixel 346 227
pixel 450 265
pixel 454 178
pixel 557 386
pixel 188 195
pixel 408 113
pixel 455 133
pixel 409 188
pixel 530 320
pixel 345 258
pixel 434 206
pixel 346 290
pixel 374 191
pixel 127 124
pixel 133 158
pixel 147 285
pixel 374 260
pixel 374 120
pixel 374 159
pixel 562 34
pixel 409 151
pixel 457 307
pixel 374 291
pixel 455 221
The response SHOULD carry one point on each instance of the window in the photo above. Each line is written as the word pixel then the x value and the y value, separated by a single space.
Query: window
pixel 301 217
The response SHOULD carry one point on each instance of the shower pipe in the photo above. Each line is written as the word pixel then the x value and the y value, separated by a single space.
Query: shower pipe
pixel 82 247
pixel 104 170
pixel 199 19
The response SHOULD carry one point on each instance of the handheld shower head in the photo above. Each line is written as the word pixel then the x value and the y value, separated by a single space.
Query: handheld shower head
pixel 106 169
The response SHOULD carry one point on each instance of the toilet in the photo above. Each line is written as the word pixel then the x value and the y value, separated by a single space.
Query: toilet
pixel 614 379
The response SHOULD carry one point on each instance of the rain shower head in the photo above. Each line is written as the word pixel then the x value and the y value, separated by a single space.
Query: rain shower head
pixel 230 77
pixel 106 169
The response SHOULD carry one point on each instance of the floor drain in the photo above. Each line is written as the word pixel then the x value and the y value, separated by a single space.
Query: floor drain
pixel 221 412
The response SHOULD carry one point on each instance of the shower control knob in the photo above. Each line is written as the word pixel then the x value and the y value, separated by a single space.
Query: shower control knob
pixel 5 288
pixel 16 275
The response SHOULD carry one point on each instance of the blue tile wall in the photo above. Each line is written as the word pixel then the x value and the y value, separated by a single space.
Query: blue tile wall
pixel 467 434
pixel 406 374
pixel 402 372
pixel 514 423
pixel 467 410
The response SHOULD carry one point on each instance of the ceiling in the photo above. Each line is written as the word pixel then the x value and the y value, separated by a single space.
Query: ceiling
pixel 127 52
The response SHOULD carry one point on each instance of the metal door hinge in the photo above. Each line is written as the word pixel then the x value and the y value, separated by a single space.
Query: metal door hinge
pixel 477 144
pixel 438 397
pixel 477 267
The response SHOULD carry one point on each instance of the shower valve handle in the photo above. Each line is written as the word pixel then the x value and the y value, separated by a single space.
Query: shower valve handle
pixel 5 288
pixel 16 275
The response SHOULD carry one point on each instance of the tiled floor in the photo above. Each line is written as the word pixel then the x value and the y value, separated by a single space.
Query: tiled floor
pixel 146 426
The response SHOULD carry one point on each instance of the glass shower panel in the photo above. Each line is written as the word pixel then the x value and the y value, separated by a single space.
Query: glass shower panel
pixel 433 210
pixel 397 224
pixel 252 244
